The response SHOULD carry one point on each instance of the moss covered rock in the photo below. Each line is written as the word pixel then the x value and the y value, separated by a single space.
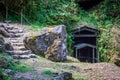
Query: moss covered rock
pixel 49 42
pixel 117 60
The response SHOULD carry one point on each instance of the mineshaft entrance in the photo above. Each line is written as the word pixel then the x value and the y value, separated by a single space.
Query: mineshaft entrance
pixel 85 44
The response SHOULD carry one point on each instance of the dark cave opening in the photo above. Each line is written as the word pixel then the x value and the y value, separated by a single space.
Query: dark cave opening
pixel 88 4
pixel 2 11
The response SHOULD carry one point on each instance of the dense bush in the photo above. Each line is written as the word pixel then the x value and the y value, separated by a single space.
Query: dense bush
pixel 107 15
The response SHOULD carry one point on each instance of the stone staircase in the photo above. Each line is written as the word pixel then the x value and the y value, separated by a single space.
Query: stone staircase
pixel 16 40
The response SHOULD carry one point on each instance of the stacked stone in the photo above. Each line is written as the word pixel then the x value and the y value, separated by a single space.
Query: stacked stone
pixel 14 42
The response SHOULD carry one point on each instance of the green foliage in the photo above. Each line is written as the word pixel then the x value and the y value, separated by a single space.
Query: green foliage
pixel 104 45
pixel 19 67
pixel 4 75
pixel 106 15
pixel 48 72
pixel 7 62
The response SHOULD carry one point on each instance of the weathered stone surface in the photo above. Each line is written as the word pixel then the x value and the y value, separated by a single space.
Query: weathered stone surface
pixel 6 33
pixel 3 31
pixel 2 44
pixel 115 33
pixel 3 62
pixel 63 76
pixel 117 60
pixel 66 76
pixel 8 46
pixel 49 42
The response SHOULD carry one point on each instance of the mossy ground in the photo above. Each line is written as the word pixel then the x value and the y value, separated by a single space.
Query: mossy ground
pixel 43 68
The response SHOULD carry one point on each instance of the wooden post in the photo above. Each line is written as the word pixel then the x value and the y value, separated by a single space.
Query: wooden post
pixel 76 54
pixel 97 51
pixel 98 56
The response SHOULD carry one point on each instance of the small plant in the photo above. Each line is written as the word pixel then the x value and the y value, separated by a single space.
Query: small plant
pixel 19 67
pixel 48 72
pixel 4 75
pixel 7 62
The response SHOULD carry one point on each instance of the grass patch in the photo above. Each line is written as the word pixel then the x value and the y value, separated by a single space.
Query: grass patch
pixel 78 76
pixel 48 73
pixel 8 62
pixel 20 67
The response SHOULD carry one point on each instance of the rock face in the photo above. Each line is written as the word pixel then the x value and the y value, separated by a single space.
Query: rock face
pixel 63 76
pixel 115 33
pixel 117 60
pixel 66 76
pixel 3 31
pixel 2 44
pixel 49 42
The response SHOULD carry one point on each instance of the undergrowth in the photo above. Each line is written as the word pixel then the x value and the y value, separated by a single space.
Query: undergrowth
pixel 7 62
pixel 48 73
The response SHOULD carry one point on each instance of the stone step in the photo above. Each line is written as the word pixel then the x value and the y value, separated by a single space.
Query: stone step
pixel 16 41
pixel 13 28
pixel 16 38
pixel 15 31
pixel 18 35
pixel 21 57
pixel 19 52
pixel 24 56
pixel 19 48
pixel 18 44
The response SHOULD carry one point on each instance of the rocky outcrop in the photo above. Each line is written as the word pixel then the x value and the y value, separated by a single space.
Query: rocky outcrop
pixel 66 76
pixel 2 44
pixel 62 76
pixel 115 33
pixel 49 42
pixel 117 59
pixel 3 31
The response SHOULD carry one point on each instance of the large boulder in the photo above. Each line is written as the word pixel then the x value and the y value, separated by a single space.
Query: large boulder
pixel 49 42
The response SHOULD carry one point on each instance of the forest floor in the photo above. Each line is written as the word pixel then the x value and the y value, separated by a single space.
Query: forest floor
pixel 79 70
pixel 41 68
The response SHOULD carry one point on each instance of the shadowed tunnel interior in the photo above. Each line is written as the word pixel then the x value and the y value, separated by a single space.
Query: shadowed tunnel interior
pixel 88 4
pixel 85 44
